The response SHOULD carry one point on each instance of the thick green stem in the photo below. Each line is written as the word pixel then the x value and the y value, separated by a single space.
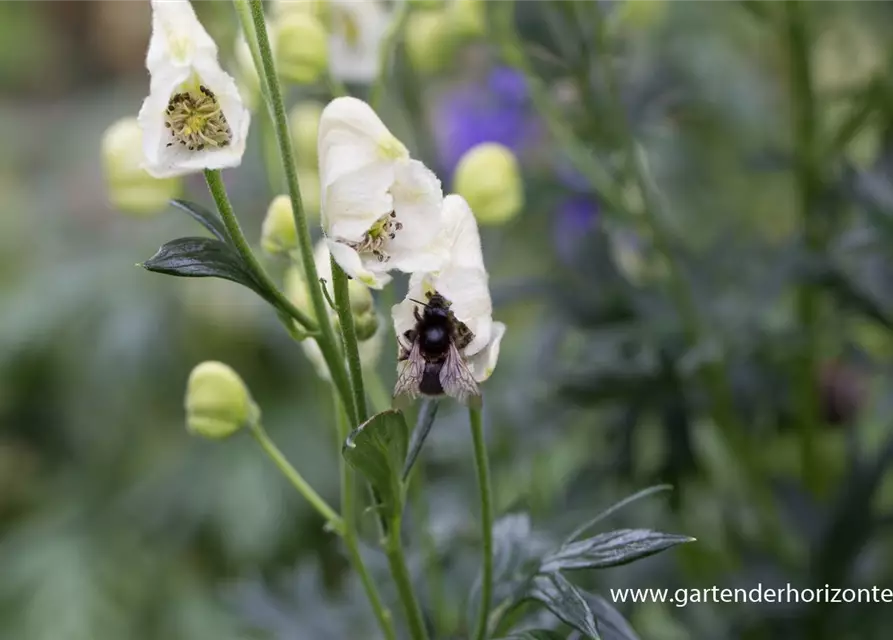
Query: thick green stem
pixel 351 540
pixel 386 52
pixel 326 340
pixel 397 563
pixel 349 337
pixel 483 473
pixel 218 192
pixel 808 185
pixel 334 521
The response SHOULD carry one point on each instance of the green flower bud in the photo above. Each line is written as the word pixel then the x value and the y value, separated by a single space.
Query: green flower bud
pixel 217 401
pixel 302 48
pixel 489 178
pixel 317 8
pixel 303 121
pixel 429 40
pixel 467 18
pixel 278 233
pixel 366 325
pixel 361 301
pixel 130 188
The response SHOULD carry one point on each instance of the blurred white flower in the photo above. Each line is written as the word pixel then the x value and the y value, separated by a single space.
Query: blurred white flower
pixel 194 117
pixel 463 281
pixel 356 30
pixel 381 210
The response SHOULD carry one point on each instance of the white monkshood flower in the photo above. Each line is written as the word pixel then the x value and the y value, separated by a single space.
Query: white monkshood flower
pixel 356 30
pixel 194 117
pixel 463 282
pixel 381 210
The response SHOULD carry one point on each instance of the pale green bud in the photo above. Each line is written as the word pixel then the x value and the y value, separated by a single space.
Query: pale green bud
pixel 317 8
pixel 130 188
pixel 366 325
pixel 489 178
pixel 217 401
pixel 302 48
pixel 278 233
pixel 303 122
pixel 362 306
pixel 429 40
pixel 467 18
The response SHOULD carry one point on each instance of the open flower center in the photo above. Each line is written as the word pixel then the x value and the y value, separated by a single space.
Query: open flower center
pixel 375 239
pixel 196 120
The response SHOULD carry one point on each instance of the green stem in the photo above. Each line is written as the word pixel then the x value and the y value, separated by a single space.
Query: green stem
pixel 483 473
pixel 335 522
pixel 397 563
pixel 244 13
pixel 386 51
pixel 218 192
pixel 349 336
pixel 348 508
pixel 326 340
pixel 808 185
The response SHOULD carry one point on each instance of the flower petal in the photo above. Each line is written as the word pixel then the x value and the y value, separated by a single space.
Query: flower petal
pixel 357 31
pixel 483 363
pixel 460 233
pixel 349 260
pixel 177 36
pixel 418 200
pixel 357 200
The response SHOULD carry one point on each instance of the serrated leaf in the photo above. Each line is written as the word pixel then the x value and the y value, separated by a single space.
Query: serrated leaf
pixel 377 449
pixel 611 549
pixel 202 258
pixel 565 601
pixel 536 634
pixel 205 217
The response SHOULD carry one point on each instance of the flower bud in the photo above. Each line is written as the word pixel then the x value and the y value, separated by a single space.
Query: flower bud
pixel 278 235
pixel 317 8
pixel 467 19
pixel 489 178
pixel 217 401
pixel 302 48
pixel 303 122
pixel 429 40
pixel 366 326
pixel 130 188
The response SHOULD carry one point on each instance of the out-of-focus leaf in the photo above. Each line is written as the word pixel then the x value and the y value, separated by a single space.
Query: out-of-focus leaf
pixel 377 449
pixel 565 601
pixel 202 258
pixel 536 634
pixel 208 219
pixel 611 549
pixel 427 414
pixel 611 624
pixel 614 508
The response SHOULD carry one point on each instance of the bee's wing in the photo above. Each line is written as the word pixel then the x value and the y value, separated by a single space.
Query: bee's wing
pixel 457 381
pixel 409 376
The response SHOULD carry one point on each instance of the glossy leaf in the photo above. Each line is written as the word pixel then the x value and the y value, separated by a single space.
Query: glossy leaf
pixel 610 549
pixel 377 449
pixel 565 601
pixel 201 258
pixel 205 217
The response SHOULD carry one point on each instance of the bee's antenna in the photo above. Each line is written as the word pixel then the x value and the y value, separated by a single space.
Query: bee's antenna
pixel 424 304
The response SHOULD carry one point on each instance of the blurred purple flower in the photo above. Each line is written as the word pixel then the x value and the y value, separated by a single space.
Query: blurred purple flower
pixel 495 110
pixel 575 218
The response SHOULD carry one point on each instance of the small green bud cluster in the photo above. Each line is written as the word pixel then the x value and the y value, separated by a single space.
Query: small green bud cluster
pixel 217 402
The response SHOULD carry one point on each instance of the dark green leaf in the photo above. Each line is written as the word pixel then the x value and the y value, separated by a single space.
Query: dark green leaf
pixel 611 624
pixel 427 414
pixel 610 549
pixel 565 601
pixel 202 258
pixel 208 219
pixel 614 508
pixel 536 634
pixel 377 449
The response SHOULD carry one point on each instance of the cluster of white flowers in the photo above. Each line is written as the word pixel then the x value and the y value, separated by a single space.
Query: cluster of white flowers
pixel 381 210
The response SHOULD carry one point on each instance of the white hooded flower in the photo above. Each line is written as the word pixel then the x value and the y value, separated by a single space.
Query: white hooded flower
pixel 381 210
pixel 356 30
pixel 194 118
pixel 463 281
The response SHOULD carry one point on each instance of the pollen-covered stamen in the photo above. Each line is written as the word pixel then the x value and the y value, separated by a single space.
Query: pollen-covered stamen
pixel 374 240
pixel 196 120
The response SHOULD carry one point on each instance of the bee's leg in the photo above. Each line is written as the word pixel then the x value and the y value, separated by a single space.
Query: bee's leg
pixel 410 334
pixel 463 335
pixel 416 314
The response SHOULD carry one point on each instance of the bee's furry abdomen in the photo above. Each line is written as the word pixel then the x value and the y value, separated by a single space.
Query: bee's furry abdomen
pixel 430 383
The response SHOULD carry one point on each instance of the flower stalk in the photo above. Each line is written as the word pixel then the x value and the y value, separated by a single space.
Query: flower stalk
pixel 326 340
pixel 486 493
pixel 349 338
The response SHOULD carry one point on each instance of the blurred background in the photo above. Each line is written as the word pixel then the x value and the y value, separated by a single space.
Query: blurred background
pixel 735 342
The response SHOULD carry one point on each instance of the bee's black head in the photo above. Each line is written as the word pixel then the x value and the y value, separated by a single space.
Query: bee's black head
pixel 436 307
